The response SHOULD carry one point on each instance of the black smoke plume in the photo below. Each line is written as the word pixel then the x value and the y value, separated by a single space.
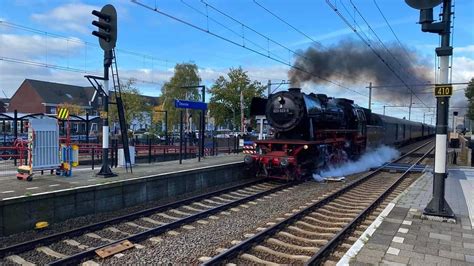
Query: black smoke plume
pixel 349 62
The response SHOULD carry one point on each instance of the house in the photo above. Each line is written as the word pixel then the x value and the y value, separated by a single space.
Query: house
pixel 36 96
pixel 4 102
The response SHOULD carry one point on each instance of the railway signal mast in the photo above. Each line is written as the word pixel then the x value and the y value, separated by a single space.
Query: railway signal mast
pixel 107 34
pixel 443 90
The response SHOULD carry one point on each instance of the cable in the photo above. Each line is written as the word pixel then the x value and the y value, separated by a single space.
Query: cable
pixel 282 20
pixel 275 42
pixel 59 67
pixel 300 32
pixel 240 45
pixel 378 38
pixel 394 34
pixel 452 41
pixel 370 46
pixel 76 40
pixel 227 28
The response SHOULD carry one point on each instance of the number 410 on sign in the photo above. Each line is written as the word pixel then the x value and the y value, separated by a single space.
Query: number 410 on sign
pixel 444 90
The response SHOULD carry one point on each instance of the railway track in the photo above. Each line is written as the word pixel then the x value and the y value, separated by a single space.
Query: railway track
pixel 82 243
pixel 322 229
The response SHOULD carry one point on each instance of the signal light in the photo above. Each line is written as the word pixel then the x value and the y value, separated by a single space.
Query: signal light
pixel 107 25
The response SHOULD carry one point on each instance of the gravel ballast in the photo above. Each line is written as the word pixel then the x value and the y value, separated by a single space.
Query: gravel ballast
pixel 205 239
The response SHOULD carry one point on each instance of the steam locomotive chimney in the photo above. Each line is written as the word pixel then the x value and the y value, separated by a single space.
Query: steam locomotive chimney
pixel 297 90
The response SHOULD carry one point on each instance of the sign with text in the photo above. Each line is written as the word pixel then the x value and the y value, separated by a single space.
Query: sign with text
pixel 443 90
pixel 190 105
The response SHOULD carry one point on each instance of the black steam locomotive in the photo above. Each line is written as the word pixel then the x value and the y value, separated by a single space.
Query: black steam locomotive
pixel 313 131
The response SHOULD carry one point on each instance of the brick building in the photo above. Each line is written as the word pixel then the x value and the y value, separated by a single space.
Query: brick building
pixel 35 96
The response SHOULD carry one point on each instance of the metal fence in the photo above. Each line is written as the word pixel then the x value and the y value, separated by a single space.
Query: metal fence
pixel 146 151
pixel 84 133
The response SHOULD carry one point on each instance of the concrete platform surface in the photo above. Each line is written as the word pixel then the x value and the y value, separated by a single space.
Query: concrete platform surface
pixel 401 236
pixel 11 188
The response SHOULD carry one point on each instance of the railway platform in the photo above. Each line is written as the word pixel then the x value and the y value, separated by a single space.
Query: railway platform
pixel 11 188
pixel 55 198
pixel 401 235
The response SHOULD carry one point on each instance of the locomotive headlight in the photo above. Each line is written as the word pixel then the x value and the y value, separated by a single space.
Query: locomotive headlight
pixel 284 162
pixel 281 100
pixel 305 147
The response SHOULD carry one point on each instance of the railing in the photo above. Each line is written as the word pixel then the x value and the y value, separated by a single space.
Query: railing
pixel 90 154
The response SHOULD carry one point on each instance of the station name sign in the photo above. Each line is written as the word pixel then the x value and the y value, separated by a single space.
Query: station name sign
pixel 443 90
pixel 190 105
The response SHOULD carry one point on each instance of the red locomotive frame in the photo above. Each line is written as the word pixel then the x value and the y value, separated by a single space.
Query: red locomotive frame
pixel 295 159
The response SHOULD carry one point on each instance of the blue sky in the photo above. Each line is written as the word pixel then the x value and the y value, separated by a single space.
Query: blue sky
pixel 39 33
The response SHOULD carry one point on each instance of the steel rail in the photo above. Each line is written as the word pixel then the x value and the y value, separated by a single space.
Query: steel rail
pixel 259 237
pixel 327 249
pixel 28 245
pixel 169 226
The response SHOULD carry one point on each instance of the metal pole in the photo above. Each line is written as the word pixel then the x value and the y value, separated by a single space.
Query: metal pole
pixel 409 107
pixel 370 96
pixel 203 121
pixel 87 127
pixel 15 130
pixel 454 116
pixel 181 137
pixel 438 205
pixel 200 148
pixel 384 110
pixel 166 128
pixel 269 87
pixel 105 170
pixel 242 126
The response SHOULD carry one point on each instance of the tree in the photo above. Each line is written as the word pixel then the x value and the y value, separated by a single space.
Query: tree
pixel 469 92
pixel 185 74
pixel 224 104
pixel 134 106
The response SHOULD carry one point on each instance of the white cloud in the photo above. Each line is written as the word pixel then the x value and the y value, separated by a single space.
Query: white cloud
pixel 463 68
pixel 69 17
pixel 36 46
pixel 464 49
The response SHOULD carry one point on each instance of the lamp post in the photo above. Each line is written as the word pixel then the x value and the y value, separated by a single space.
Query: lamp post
pixel 166 123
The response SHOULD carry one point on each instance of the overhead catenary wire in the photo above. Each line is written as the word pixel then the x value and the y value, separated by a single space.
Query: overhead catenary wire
pixel 373 50
pixel 407 54
pixel 64 68
pixel 290 51
pixel 300 32
pixel 226 27
pixel 401 67
pixel 89 44
pixel 240 45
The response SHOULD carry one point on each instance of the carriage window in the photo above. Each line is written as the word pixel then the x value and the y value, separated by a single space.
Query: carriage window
pixel 403 131
pixel 396 132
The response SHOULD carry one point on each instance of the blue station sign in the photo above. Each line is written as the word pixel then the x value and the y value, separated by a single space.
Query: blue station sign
pixel 190 104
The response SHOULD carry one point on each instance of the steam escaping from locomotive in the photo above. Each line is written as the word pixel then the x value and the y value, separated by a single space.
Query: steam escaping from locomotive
pixel 350 61
pixel 371 159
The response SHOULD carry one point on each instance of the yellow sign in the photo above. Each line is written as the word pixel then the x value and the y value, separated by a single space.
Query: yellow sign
pixel 443 90
pixel 63 113
pixel 103 114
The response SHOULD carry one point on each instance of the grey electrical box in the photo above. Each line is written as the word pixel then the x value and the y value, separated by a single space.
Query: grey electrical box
pixel 43 135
